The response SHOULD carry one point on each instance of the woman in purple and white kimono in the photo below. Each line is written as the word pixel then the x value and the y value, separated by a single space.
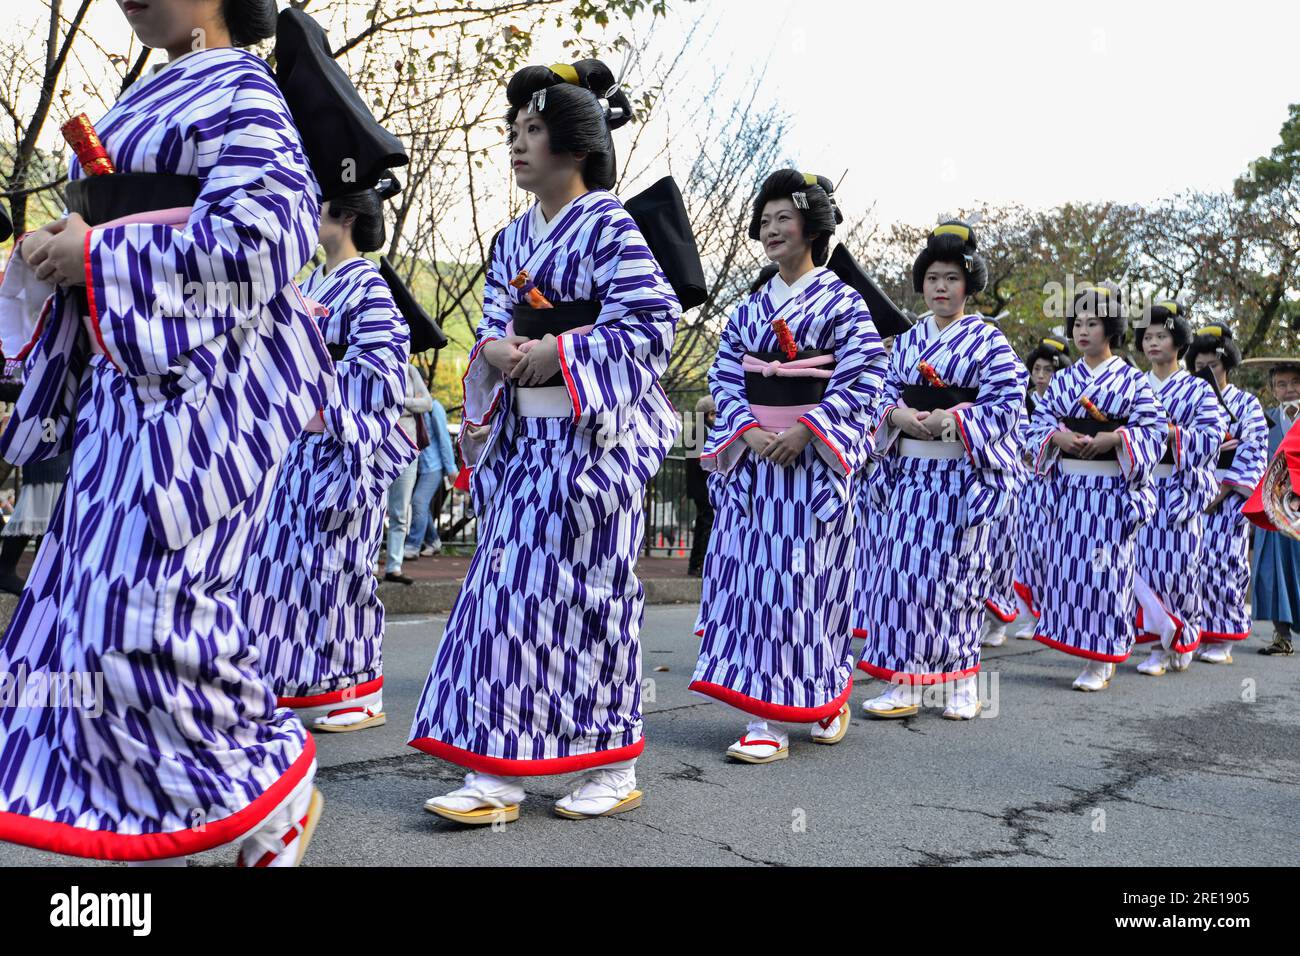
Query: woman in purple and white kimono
pixel 873 484
pixel 1097 433
pixel 1243 456
pixel 177 361
pixel 948 418
pixel 1171 545
pixel 1036 494
pixel 798 371
pixel 539 669
pixel 308 591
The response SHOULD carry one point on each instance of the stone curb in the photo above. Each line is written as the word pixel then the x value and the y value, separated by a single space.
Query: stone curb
pixel 436 597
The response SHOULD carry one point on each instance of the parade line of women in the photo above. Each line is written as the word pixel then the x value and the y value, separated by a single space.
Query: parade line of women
pixel 873 477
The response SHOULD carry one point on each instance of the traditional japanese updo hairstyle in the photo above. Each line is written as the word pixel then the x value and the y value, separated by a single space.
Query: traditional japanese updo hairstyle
pixel 581 103
pixel 1168 314
pixel 953 242
pixel 1050 350
pixel 367 208
pixel 1214 339
pixel 249 20
pixel 1106 302
pixel 813 196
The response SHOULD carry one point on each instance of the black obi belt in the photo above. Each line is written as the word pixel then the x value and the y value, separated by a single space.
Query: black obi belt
pixel 101 199
pixel 787 390
pixel 1092 428
pixel 563 317
pixel 929 398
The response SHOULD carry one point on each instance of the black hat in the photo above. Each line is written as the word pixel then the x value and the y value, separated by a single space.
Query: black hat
pixel 1051 350
pixel 1217 339
pixel 425 333
pixel 660 214
pixel 347 149
pixel 887 317
pixel 1169 314
pixel 952 241
pixel 813 196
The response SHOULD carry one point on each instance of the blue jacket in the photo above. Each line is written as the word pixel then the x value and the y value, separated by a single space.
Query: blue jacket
pixel 438 457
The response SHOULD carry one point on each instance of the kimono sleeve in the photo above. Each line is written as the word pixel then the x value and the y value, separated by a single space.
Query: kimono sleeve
pixel 839 421
pixel 997 409
pixel 253 226
pixel 1044 423
pixel 883 434
pixel 616 364
pixel 484 384
pixel 1196 442
pixel 370 381
pixel 1144 435
pixel 727 386
pixel 1251 458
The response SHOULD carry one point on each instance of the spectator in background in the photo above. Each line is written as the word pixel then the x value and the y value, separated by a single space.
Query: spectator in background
pixel 418 401
pixel 1276 578
pixel 41 488
pixel 697 488
pixel 436 464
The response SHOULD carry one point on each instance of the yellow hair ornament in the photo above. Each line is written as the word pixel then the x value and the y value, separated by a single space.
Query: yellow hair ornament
pixel 810 179
pixel 952 229
pixel 1055 343
pixel 566 72
pixel 1215 330
pixel 1170 307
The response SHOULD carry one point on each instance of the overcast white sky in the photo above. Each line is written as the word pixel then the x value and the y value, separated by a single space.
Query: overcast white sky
pixel 940 104
pixel 937 104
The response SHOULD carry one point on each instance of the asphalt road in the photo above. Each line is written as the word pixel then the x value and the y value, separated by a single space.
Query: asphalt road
pixel 1198 768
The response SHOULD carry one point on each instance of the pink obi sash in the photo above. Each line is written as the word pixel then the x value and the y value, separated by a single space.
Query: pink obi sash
pixel 176 217
pixel 781 417
pixel 777 418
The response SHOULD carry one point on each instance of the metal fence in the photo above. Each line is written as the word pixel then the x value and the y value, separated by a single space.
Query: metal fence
pixel 669 514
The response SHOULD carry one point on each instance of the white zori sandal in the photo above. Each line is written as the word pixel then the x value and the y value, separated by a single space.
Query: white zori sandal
pixel 358 714
pixel 760 744
pixel 833 728
pixel 901 700
pixel 964 701
pixel 995 630
pixel 603 791
pixel 483 800
pixel 1096 676
pixel 1214 652
pixel 1156 664
pixel 283 837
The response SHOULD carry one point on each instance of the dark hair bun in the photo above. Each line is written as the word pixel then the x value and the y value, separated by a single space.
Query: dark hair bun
pixel 249 20
pixel 1106 301
pixel 952 241
pixel 590 75
pixel 580 106
pixel 1171 314
pixel 1052 350
pixel 1217 339
pixel 811 195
